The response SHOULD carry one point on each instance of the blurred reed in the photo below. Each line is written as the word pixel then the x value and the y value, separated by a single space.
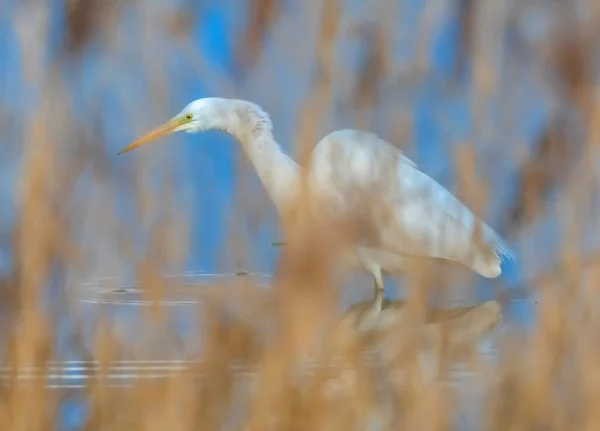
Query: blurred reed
pixel 78 214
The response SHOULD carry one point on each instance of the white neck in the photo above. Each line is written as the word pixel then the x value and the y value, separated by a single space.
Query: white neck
pixel 276 170
pixel 278 173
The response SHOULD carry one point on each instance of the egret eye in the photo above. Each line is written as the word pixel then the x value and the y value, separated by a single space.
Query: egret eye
pixel 188 117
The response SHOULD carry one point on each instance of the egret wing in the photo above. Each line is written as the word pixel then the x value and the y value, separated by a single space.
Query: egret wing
pixel 398 207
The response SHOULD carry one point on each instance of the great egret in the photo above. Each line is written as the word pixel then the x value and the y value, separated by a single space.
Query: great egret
pixel 420 218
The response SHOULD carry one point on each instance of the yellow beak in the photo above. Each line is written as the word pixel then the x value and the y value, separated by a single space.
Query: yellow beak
pixel 153 135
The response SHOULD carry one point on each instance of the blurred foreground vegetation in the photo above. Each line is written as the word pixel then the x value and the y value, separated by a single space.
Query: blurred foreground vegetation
pixel 73 213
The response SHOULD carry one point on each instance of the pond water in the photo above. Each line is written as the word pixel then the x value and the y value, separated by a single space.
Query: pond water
pixel 183 310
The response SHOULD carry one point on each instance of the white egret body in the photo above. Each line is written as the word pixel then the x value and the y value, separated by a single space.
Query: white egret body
pixel 410 215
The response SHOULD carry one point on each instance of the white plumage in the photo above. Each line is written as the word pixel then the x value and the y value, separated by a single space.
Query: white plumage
pixel 407 212
pixel 404 214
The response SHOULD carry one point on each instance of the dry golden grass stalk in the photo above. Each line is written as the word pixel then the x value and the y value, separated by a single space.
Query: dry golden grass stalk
pixel 286 358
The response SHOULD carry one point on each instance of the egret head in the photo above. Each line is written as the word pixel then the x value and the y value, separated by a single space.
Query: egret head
pixel 202 114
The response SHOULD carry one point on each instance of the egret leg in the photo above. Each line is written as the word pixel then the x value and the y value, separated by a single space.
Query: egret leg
pixel 379 291
pixel 367 320
pixel 375 271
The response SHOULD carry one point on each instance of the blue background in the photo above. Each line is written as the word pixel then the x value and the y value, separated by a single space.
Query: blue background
pixel 112 85
pixel 206 165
